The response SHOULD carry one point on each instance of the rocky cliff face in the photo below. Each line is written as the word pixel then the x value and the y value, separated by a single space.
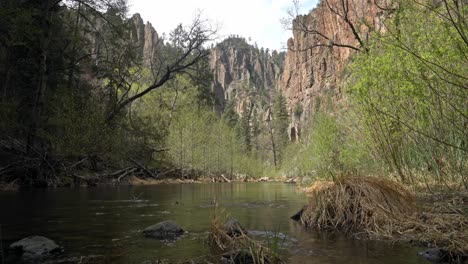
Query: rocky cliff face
pixel 243 74
pixel 145 37
pixel 314 67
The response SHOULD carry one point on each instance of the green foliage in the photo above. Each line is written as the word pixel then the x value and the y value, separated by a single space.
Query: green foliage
pixel 410 90
pixel 298 110
pixel 280 124
pixel 244 130
pixel 78 128
pixel 329 148
pixel 201 141
pixel 230 115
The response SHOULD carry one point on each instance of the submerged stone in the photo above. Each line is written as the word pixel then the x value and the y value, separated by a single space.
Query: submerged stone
pixel 438 255
pixel 35 247
pixel 297 216
pixel 164 230
pixel 238 257
pixel 233 228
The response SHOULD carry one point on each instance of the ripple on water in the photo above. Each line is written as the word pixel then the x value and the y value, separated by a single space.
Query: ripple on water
pixel 120 201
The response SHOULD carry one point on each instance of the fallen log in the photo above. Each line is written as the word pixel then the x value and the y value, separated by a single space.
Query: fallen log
pixel 226 179
pixel 125 174
pixel 144 169
pixel 164 173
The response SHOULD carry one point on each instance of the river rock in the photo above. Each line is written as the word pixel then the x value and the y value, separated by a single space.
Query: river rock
pixel 297 216
pixel 35 247
pixel 239 257
pixel 164 230
pixel 264 179
pixel 439 255
pixel 233 228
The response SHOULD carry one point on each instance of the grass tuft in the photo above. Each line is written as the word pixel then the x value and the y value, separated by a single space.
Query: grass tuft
pixel 379 208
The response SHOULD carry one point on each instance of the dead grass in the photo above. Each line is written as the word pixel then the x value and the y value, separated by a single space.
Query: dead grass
pixel 379 208
pixel 240 248
pixel 441 222
pixel 355 204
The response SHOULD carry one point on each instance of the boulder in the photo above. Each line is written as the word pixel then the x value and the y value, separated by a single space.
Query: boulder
pixel 233 228
pixel 35 247
pixel 164 230
pixel 264 179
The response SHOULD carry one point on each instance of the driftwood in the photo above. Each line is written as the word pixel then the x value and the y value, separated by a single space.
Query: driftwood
pixel 226 179
pixel 164 173
pixel 126 173
pixel 144 169
pixel 78 163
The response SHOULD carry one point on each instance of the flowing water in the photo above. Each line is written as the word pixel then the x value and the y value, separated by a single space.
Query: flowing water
pixel 109 220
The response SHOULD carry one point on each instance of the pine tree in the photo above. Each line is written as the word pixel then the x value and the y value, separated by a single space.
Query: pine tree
pixel 230 116
pixel 280 124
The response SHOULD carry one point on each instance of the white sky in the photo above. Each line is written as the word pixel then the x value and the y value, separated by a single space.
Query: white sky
pixel 258 19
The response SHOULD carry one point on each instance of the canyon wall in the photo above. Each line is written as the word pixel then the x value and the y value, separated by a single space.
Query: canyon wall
pixel 315 65
pixel 243 74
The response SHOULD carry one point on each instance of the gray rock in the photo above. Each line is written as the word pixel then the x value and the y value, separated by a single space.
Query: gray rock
pixel 233 228
pixel 297 216
pixel 439 255
pixel 35 247
pixel 239 257
pixel 164 230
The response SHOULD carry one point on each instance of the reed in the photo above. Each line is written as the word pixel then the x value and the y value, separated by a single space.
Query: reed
pixel 239 248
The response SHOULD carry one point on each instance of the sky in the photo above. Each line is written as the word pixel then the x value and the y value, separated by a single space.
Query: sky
pixel 257 19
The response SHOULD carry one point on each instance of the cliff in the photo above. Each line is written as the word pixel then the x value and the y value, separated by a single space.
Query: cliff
pixel 145 37
pixel 243 74
pixel 315 65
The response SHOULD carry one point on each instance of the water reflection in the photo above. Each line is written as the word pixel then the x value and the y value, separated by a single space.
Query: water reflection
pixel 109 221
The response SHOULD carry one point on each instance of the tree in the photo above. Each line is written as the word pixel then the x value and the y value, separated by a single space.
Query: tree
pixel 230 115
pixel 280 125
pixel 185 50
pixel 411 90
pixel 245 131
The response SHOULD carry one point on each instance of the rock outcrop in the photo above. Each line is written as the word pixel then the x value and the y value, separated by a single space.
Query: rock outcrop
pixel 314 65
pixel 241 72
pixel 145 37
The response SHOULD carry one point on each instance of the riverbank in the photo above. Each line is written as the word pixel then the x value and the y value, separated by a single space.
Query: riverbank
pixel 94 180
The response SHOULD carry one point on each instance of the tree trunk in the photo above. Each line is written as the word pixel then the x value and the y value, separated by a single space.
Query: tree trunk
pixel 273 145
pixel 42 78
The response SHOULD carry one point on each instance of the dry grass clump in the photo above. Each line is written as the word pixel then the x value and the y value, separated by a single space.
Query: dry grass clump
pixel 379 208
pixel 354 204
pixel 441 224
pixel 239 247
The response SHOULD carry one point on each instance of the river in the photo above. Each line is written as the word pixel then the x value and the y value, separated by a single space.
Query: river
pixel 109 220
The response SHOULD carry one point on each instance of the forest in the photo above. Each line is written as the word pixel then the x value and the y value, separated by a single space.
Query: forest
pixel 90 96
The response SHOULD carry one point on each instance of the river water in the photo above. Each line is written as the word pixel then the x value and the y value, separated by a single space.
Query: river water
pixel 109 220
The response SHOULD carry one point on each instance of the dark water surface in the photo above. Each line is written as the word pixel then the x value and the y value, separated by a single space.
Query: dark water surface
pixel 109 220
